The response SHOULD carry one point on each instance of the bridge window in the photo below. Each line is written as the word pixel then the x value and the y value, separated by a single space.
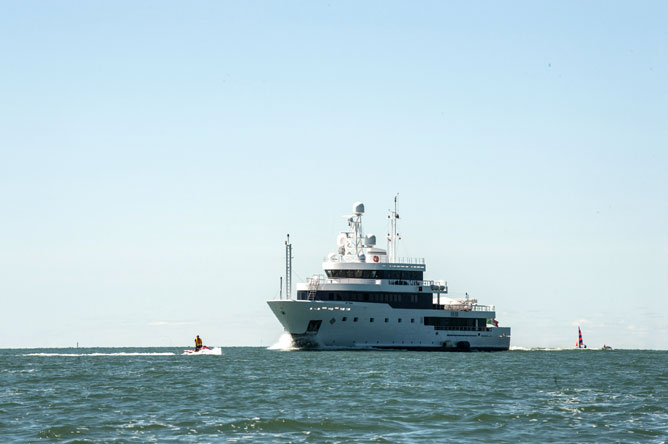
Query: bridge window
pixel 405 275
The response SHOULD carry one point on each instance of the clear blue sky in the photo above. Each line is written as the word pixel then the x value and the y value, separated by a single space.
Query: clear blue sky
pixel 155 154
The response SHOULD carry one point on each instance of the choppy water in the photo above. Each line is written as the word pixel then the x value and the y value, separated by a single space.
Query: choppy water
pixel 259 395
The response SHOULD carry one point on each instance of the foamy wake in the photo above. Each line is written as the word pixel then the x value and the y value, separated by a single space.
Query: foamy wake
pixel 103 354
pixel 214 351
pixel 284 343
pixel 515 348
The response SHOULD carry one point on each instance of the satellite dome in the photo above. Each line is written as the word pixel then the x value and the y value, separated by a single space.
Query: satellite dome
pixel 358 208
pixel 341 239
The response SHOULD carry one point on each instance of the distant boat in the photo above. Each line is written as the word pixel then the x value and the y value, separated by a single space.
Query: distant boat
pixel 606 347
pixel 580 344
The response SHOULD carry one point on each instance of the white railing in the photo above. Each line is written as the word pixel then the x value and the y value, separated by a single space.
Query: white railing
pixel 318 279
pixel 323 279
pixel 411 260
pixel 401 260
pixel 466 307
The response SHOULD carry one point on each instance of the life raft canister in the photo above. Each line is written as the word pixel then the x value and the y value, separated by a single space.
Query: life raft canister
pixel 376 258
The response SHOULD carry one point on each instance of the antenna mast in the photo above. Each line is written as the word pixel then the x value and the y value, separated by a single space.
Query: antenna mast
pixel 392 236
pixel 288 268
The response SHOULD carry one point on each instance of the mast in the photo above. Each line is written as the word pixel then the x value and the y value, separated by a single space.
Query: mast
pixel 392 236
pixel 280 289
pixel 355 246
pixel 288 268
pixel 358 235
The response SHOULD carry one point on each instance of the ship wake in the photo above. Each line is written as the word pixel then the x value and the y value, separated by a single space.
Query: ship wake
pixel 284 343
pixel 217 351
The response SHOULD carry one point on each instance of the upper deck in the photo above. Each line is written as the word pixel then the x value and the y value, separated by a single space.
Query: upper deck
pixel 399 266
pixel 359 271
pixel 375 259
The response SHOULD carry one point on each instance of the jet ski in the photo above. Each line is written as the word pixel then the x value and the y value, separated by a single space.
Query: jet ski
pixel 192 350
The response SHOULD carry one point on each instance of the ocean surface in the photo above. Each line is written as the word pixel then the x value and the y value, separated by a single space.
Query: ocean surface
pixel 259 395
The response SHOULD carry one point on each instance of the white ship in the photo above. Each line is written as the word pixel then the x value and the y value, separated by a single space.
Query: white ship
pixel 369 299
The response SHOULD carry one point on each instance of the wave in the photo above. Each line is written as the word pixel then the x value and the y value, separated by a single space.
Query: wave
pixel 103 354
pixel 517 348
pixel 284 343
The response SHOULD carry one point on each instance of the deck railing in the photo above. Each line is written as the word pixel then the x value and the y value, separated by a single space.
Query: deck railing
pixel 464 307
pixel 429 284
pixel 400 260
pixel 318 279
pixel 411 260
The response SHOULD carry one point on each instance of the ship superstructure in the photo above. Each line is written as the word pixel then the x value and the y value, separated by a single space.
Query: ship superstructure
pixel 369 298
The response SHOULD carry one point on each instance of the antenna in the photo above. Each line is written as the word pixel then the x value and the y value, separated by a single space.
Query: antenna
pixel 392 236
pixel 280 289
pixel 356 226
pixel 288 267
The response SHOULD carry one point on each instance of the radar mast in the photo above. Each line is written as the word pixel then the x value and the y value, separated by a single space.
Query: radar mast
pixel 393 236
pixel 288 268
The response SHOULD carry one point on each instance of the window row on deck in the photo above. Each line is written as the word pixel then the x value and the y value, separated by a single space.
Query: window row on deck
pixel 439 323
pixel 447 323
pixel 375 274
pixel 395 300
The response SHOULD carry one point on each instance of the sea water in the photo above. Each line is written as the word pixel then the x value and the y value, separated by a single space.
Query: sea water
pixel 259 395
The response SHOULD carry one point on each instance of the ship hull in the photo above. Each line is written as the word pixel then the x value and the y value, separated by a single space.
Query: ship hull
pixel 320 325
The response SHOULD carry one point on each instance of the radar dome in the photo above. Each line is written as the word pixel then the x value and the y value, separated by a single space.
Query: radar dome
pixel 370 240
pixel 358 208
pixel 341 239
